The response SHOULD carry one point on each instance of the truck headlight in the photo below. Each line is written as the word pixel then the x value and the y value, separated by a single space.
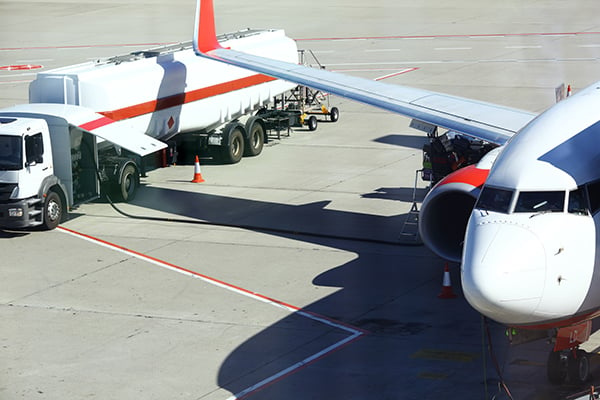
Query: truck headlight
pixel 15 212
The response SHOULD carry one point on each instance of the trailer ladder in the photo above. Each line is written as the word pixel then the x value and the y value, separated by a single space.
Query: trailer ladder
pixel 410 228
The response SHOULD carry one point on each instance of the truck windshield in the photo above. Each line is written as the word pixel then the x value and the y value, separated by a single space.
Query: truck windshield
pixel 11 153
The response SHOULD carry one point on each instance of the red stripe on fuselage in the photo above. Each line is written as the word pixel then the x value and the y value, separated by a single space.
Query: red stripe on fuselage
pixel 186 97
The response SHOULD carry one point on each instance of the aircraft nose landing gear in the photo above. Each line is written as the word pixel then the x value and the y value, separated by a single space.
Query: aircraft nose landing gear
pixel 572 364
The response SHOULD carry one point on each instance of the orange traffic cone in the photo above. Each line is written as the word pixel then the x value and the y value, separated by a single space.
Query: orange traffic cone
pixel 197 173
pixel 446 292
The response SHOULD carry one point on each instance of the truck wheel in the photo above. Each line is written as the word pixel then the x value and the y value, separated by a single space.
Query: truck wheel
pixel 334 114
pixel 233 152
pixel 312 123
pixel 256 137
pixel 129 183
pixel 53 211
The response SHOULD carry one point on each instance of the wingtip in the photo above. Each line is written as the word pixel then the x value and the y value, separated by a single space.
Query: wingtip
pixel 205 38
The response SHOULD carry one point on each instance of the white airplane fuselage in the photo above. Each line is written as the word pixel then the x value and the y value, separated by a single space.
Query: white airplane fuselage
pixel 530 254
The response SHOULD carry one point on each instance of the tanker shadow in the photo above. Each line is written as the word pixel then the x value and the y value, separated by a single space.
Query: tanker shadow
pixel 390 291
pixel 312 217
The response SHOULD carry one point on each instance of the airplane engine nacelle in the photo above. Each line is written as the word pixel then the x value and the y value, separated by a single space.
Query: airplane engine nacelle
pixel 446 210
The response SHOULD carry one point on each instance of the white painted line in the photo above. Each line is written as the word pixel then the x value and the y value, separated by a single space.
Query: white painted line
pixel 355 333
pixel 589 45
pixel 381 50
pixel 522 47
pixel 453 48
pixel 290 370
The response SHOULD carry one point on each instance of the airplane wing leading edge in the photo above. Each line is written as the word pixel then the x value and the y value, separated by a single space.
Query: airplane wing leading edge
pixel 486 121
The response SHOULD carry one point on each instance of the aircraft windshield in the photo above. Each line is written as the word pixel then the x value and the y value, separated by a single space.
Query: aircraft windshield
pixel 540 202
pixel 578 202
pixel 11 153
pixel 494 199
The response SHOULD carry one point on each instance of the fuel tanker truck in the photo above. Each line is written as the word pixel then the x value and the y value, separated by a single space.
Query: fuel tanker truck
pixel 106 122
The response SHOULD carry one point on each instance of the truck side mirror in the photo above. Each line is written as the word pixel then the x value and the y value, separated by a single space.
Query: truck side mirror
pixel 34 149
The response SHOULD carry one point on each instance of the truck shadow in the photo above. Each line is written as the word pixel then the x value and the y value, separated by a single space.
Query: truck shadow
pixel 8 234
pixel 417 346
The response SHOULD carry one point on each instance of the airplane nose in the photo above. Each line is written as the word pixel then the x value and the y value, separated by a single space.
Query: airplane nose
pixel 503 271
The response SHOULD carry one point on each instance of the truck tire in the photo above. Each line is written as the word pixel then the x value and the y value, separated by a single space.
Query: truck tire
pixel 256 137
pixel 234 150
pixel 128 185
pixel 53 211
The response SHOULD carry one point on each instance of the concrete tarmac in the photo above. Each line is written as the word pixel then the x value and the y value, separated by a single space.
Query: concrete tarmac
pixel 313 298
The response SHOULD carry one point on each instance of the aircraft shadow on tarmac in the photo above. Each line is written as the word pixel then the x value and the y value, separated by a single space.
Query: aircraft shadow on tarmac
pixel 418 346
pixel 398 194
pixel 410 141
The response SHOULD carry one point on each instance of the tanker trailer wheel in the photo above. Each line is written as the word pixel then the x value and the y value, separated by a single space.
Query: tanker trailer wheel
pixel 128 183
pixel 232 153
pixel 256 137
pixel 53 211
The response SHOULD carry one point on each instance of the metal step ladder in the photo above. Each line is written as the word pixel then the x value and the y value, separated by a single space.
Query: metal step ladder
pixel 410 229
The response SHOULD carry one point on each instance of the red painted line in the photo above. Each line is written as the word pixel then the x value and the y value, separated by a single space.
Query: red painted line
pixel 20 67
pixel 83 46
pixel 404 71
pixel 175 267
pixel 186 97
pixel 308 314
pixel 355 333
pixel 98 123
pixel 480 35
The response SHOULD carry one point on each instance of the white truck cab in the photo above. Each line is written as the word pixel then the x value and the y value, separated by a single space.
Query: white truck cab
pixel 33 190
pixel 50 162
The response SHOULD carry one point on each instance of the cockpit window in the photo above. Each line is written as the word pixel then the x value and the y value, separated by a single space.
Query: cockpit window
pixel 494 199
pixel 578 203
pixel 535 202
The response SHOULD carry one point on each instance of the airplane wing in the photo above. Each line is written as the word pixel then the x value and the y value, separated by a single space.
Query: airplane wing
pixel 487 121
